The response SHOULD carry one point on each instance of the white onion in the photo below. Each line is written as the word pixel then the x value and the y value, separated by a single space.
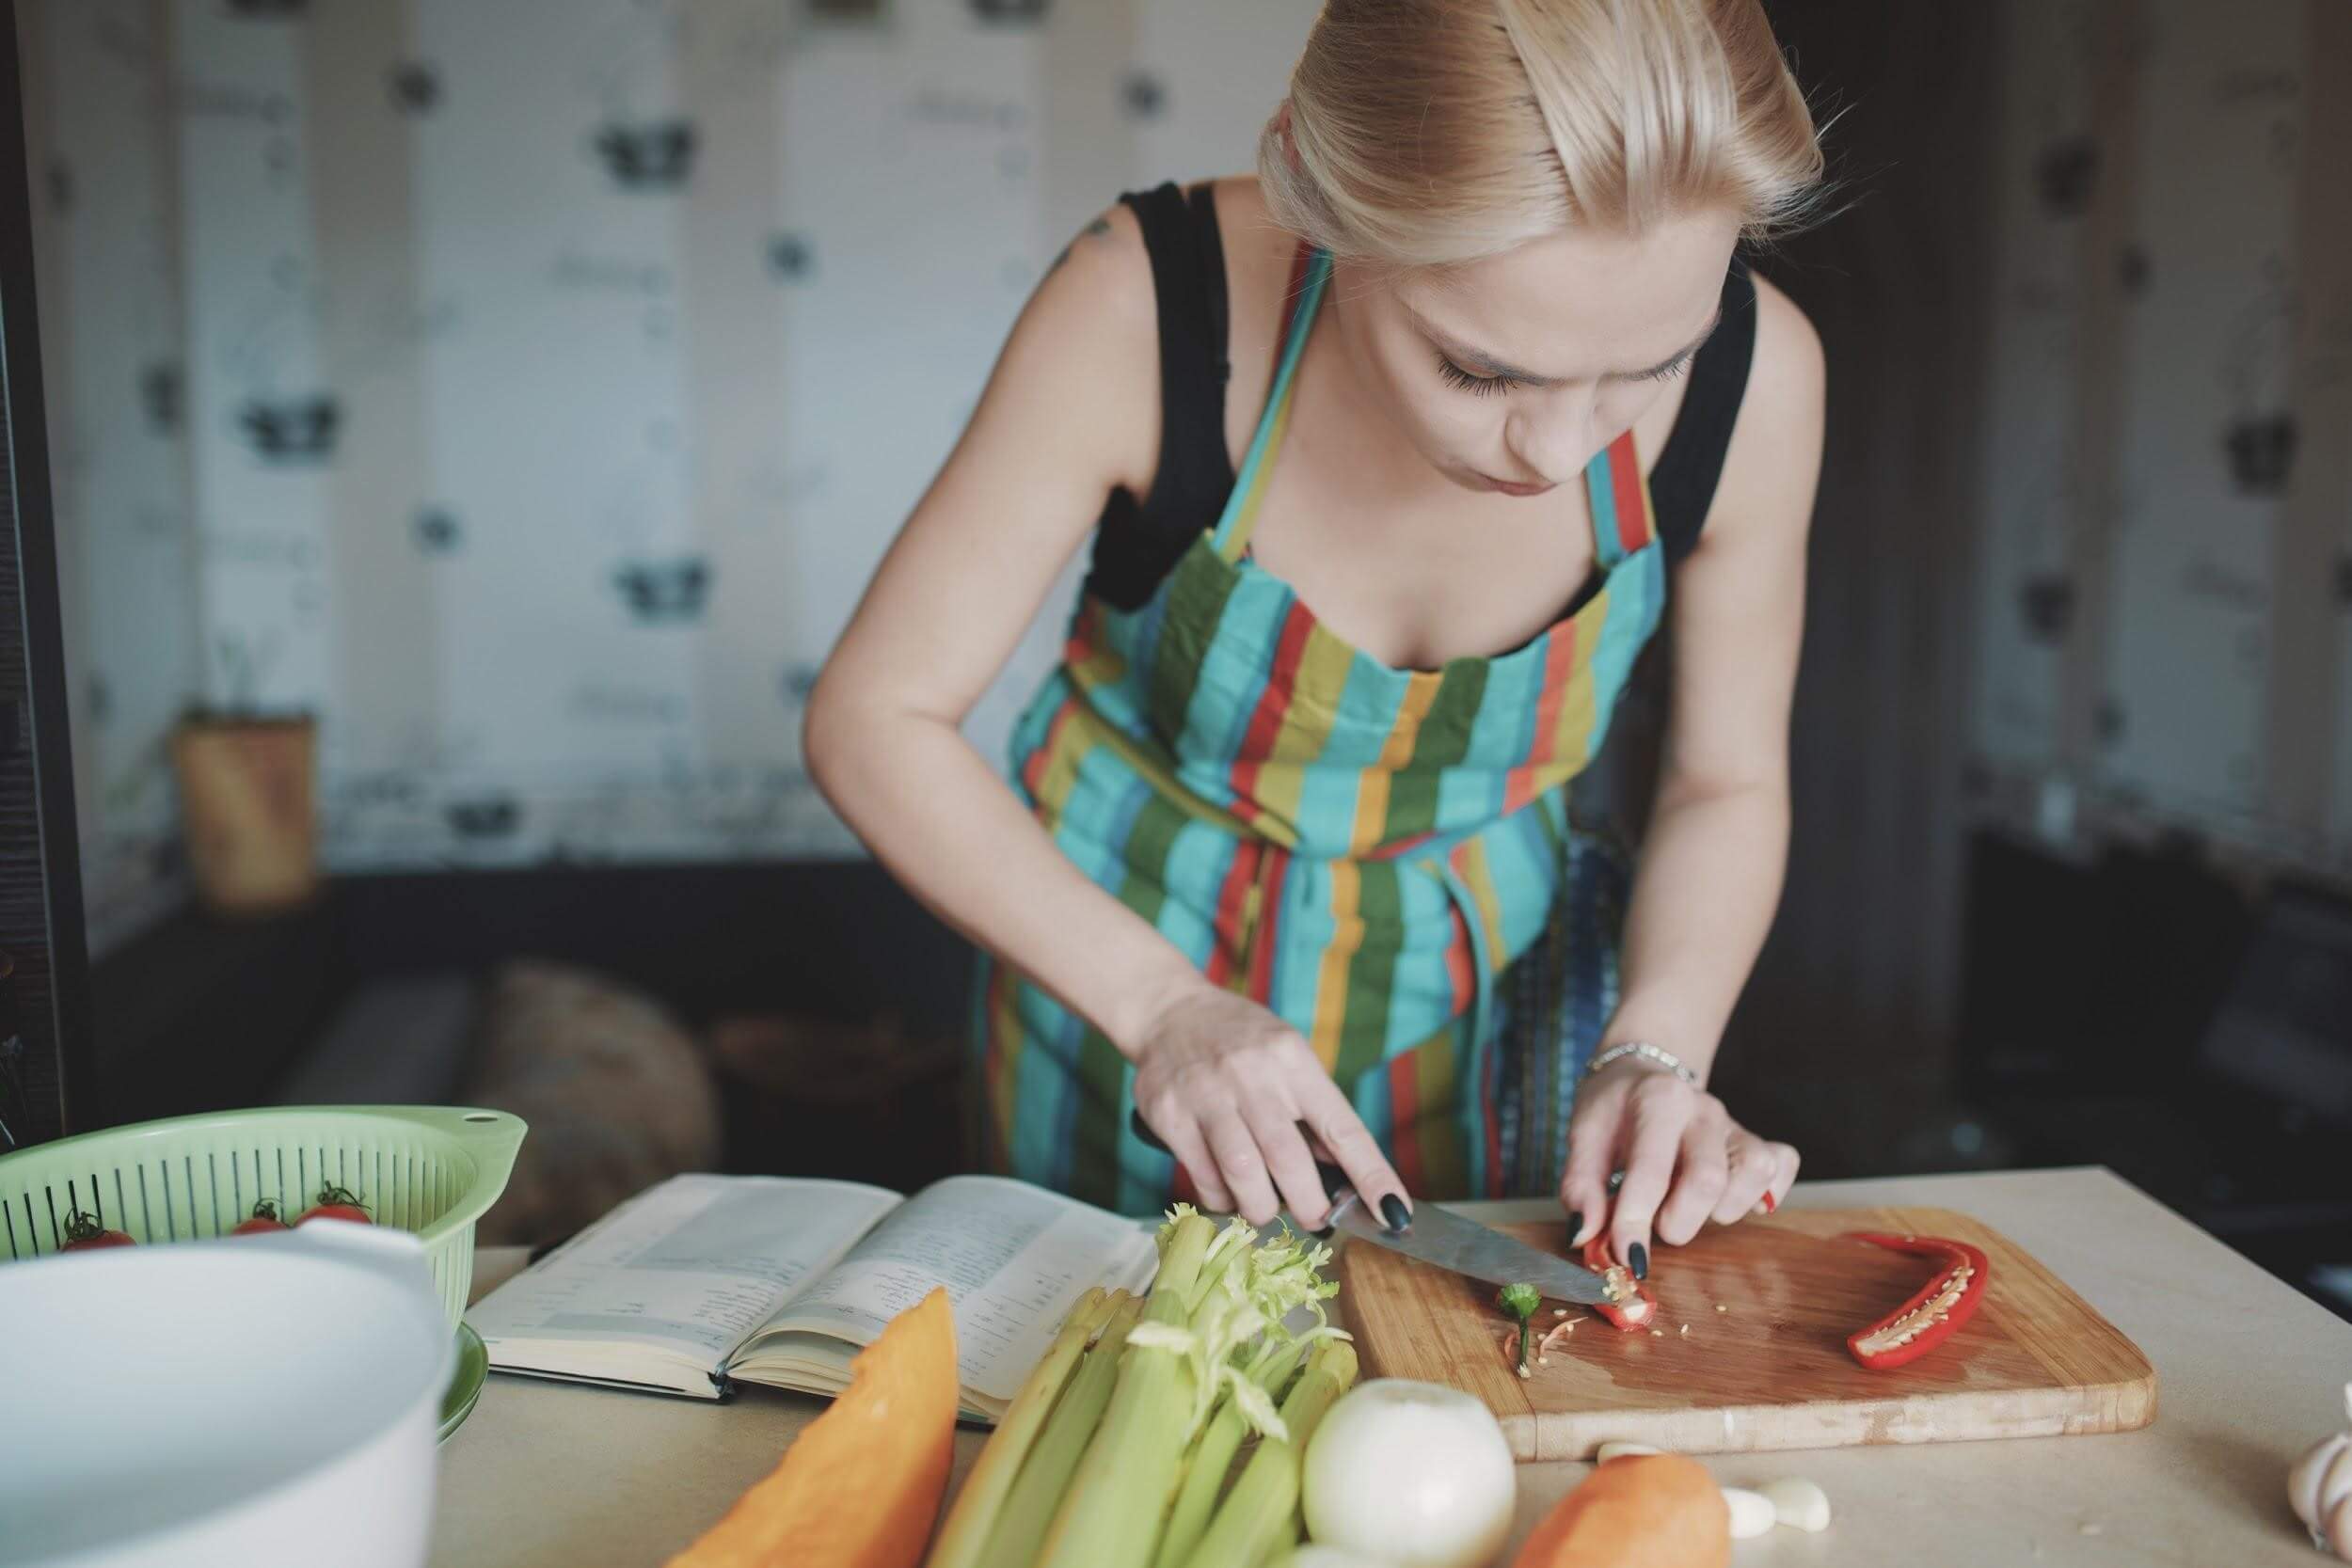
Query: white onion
pixel 1414 1474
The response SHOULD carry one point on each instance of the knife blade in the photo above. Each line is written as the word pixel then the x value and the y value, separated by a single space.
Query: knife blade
pixel 1443 1238
pixel 1440 1237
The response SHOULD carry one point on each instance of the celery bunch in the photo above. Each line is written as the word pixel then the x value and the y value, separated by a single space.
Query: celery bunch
pixel 1259 1515
pixel 1250 1380
pixel 1141 1404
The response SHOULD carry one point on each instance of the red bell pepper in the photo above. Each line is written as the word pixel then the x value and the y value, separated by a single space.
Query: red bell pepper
pixel 1630 1305
pixel 1928 1319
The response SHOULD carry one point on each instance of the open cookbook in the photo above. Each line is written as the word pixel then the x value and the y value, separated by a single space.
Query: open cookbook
pixel 780 1280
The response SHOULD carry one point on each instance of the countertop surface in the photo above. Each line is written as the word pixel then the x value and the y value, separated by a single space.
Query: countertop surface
pixel 2250 1373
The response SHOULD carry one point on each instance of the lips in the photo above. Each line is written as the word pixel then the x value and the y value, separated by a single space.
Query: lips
pixel 1506 487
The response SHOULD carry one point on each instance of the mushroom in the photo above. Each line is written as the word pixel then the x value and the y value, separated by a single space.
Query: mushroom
pixel 1751 1512
pixel 1797 1501
pixel 1611 1450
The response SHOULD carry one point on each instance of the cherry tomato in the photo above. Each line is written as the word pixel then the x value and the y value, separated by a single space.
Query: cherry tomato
pixel 264 1220
pixel 87 1233
pixel 336 1203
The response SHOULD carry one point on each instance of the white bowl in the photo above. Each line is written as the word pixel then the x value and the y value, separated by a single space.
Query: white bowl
pixel 255 1400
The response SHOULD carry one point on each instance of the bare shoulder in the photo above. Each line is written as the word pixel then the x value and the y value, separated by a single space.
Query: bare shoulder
pixel 1100 283
pixel 1788 364
pixel 1775 453
pixel 1087 349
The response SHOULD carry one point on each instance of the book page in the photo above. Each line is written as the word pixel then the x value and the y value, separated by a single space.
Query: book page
pixel 1013 1257
pixel 693 1265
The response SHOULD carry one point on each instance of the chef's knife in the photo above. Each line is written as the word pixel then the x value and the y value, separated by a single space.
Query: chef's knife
pixel 1439 1236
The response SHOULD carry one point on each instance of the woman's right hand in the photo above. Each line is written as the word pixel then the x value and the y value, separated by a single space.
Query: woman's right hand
pixel 1225 1085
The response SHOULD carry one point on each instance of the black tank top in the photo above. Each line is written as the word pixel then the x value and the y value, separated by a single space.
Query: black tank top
pixel 1138 542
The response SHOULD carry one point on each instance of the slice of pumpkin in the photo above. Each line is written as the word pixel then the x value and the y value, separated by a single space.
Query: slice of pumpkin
pixel 1637 1510
pixel 861 1486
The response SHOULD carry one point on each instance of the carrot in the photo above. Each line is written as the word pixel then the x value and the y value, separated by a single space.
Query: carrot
pixel 1638 1511
pixel 860 1486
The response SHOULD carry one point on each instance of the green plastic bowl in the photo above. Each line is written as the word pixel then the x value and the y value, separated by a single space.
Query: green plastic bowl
pixel 431 1169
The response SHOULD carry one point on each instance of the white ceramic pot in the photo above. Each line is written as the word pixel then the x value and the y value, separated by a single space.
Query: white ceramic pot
pixel 255 1400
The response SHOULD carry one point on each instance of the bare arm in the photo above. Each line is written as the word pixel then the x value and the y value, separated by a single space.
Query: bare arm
pixel 1717 846
pixel 1071 411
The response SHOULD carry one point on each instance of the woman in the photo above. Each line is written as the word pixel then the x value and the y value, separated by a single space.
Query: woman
pixel 1472 347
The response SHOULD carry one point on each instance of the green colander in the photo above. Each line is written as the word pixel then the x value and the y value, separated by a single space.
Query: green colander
pixel 428 1168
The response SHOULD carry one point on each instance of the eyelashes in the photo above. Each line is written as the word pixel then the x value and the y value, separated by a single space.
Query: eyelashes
pixel 1476 385
pixel 1495 385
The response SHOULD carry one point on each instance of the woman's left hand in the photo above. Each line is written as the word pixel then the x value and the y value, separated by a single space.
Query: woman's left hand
pixel 1685 1161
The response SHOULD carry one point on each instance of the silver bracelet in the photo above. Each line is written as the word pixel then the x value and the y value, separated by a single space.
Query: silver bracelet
pixel 1648 1053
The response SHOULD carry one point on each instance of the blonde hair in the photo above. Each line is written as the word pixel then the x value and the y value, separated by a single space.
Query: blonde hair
pixel 1424 132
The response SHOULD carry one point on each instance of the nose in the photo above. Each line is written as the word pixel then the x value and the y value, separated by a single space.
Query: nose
pixel 1555 437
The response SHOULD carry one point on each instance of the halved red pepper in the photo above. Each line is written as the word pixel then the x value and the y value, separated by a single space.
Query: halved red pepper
pixel 1630 1305
pixel 1928 1319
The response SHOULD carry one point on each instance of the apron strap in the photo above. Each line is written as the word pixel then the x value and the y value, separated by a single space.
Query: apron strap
pixel 1308 278
pixel 1618 496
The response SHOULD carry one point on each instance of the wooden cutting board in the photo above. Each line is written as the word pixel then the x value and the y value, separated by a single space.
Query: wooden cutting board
pixel 1770 1372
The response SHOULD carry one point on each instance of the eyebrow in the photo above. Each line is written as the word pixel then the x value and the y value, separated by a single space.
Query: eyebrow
pixel 1478 362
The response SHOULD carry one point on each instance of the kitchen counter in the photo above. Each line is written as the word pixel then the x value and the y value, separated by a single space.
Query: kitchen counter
pixel 2250 1373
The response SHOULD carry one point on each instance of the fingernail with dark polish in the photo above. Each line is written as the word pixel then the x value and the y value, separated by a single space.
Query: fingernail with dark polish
pixel 1394 1213
pixel 1575 1224
pixel 1638 1261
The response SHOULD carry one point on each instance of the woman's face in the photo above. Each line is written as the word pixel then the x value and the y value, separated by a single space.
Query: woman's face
pixel 1509 373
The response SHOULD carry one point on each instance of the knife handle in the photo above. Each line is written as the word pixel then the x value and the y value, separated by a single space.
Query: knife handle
pixel 1335 1181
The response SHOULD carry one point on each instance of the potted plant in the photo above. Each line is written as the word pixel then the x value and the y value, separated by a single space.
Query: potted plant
pixel 247 795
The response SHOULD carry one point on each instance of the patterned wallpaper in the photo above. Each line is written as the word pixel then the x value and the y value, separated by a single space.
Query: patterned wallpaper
pixel 2046 165
pixel 2193 159
pixel 529 387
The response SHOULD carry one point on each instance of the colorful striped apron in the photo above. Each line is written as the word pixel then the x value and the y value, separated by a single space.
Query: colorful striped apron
pixel 1362 849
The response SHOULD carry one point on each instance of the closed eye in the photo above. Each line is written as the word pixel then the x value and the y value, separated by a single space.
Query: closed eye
pixel 1669 369
pixel 1495 385
pixel 1476 385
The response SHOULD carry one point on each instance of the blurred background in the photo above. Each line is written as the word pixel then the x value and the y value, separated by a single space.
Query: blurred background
pixel 470 423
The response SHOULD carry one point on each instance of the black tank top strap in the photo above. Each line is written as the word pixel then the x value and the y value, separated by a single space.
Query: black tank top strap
pixel 1682 481
pixel 1139 541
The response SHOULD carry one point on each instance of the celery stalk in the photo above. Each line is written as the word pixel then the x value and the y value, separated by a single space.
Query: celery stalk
pixel 1205 1472
pixel 1037 1493
pixel 1110 1515
pixel 965 1532
pixel 1261 1518
pixel 1211 1462
pixel 1259 1515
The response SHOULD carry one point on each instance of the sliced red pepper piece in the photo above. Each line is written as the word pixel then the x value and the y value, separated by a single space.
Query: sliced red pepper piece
pixel 1630 1305
pixel 1928 1319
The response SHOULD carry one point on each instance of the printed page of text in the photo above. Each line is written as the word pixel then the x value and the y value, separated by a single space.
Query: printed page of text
pixel 1012 1256
pixel 695 1264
